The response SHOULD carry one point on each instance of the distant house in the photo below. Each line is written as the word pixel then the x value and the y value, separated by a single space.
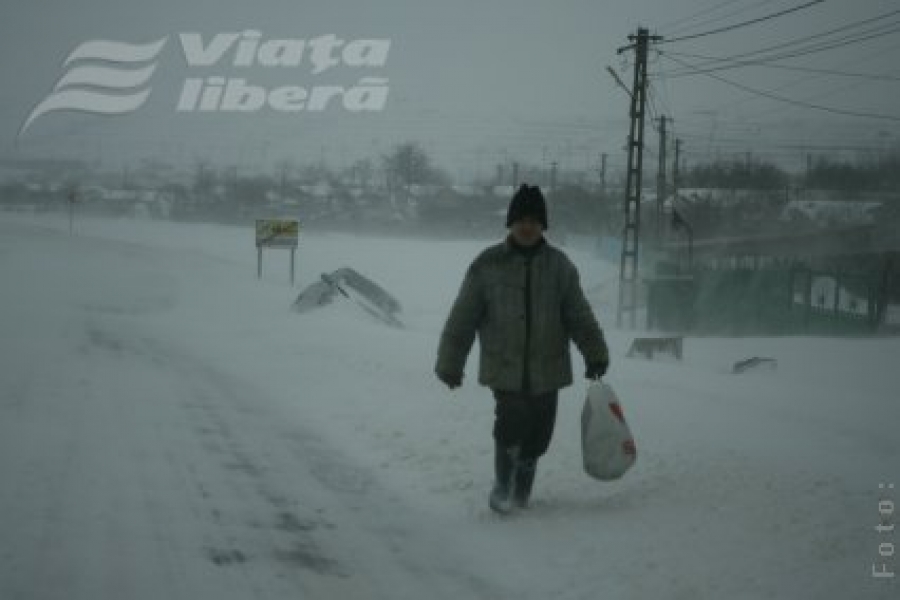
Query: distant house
pixel 132 202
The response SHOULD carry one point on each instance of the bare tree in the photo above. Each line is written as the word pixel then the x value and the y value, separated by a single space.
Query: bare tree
pixel 408 164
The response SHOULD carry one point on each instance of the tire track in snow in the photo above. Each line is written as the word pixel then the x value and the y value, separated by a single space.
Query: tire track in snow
pixel 280 498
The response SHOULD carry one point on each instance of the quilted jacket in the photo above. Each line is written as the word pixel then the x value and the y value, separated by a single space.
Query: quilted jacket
pixel 525 305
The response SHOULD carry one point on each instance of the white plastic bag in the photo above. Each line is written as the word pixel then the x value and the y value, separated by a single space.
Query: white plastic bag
pixel 607 444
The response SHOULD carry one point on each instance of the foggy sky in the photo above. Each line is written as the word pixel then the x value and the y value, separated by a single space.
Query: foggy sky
pixel 476 83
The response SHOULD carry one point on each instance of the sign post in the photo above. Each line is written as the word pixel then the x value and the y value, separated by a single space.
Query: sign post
pixel 276 233
pixel 72 197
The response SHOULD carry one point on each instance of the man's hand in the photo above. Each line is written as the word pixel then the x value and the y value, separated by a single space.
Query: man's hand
pixel 452 381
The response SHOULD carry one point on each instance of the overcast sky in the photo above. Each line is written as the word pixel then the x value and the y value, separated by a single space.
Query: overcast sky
pixel 475 82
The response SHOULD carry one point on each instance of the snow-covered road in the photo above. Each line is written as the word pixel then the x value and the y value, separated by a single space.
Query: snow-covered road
pixel 133 467
pixel 168 428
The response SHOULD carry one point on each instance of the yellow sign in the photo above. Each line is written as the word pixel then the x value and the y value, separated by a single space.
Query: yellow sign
pixel 277 233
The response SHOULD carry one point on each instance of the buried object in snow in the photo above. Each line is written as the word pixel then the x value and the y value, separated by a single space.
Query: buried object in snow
pixel 346 282
pixel 753 364
pixel 649 347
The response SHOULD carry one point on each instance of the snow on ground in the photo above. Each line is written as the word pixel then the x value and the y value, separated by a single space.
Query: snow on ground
pixel 168 428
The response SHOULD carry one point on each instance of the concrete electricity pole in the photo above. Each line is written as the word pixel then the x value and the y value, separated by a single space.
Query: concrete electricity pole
pixel 676 171
pixel 661 178
pixel 554 166
pixel 628 268
pixel 603 175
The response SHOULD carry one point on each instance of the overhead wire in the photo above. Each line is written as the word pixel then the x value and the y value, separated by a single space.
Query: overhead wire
pixel 815 36
pixel 743 23
pixel 764 64
pixel 880 51
pixel 802 46
pixel 786 100
pixel 674 24
pixel 684 29
pixel 716 64
pixel 784 144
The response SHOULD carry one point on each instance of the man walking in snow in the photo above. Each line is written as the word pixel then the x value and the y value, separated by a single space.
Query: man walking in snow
pixel 523 299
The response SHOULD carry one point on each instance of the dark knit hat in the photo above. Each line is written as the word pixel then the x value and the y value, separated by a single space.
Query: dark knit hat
pixel 528 201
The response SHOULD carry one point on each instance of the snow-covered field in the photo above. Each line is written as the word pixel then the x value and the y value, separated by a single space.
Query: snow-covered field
pixel 170 429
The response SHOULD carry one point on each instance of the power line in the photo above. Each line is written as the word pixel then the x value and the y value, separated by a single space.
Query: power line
pixel 661 105
pixel 874 51
pixel 866 36
pixel 651 105
pixel 699 13
pixel 744 23
pixel 797 146
pixel 740 64
pixel 823 34
pixel 849 40
pixel 808 49
pixel 711 20
pixel 740 129
pixel 785 100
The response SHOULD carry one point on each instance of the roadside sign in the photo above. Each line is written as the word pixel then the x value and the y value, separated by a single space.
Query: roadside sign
pixel 276 233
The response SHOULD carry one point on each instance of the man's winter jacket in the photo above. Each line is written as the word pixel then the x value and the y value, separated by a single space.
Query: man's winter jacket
pixel 525 305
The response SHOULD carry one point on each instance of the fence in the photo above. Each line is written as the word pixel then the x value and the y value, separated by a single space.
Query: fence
pixel 767 301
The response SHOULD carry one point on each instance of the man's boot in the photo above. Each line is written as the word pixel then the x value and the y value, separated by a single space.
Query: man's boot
pixel 505 461
pixel 523 480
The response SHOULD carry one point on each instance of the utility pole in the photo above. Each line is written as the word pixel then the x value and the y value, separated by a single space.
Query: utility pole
pixel 676 171
pixel 628 269
pixel 661 178
pixel 72 198
pixel 284 170
pixel 603 175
